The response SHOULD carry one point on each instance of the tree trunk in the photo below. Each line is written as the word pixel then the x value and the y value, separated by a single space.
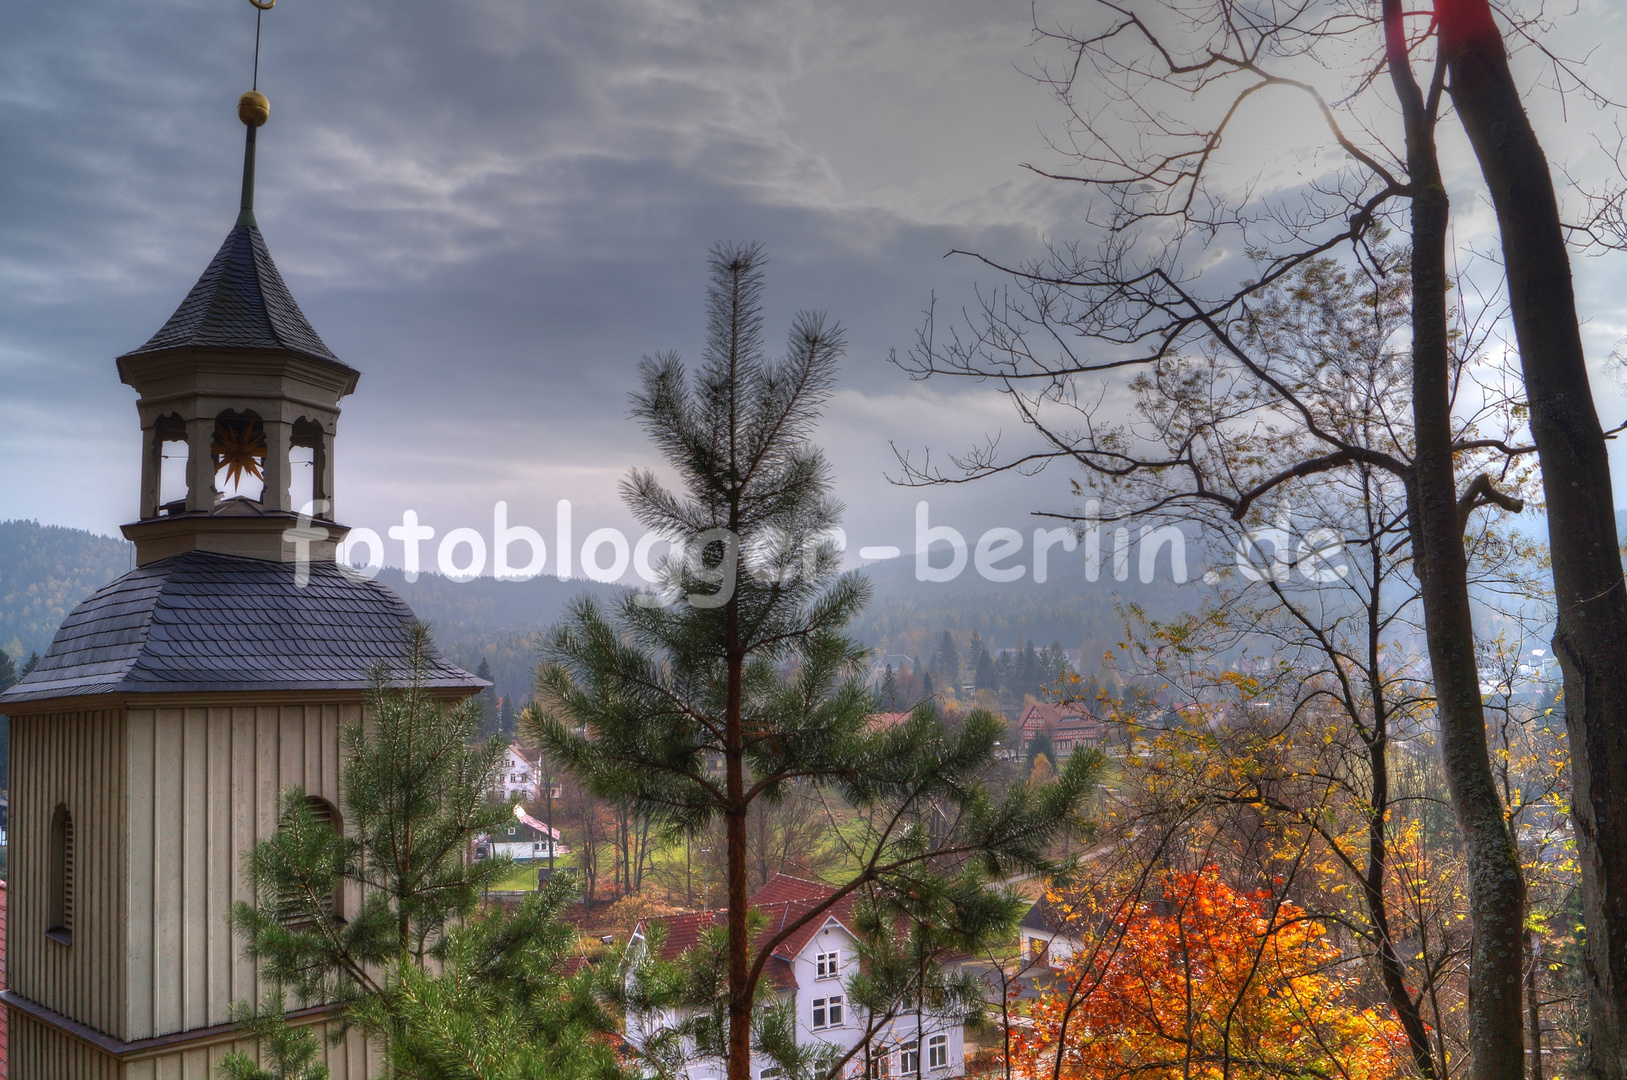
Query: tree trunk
pixel 1496 887
pixel 736 846
pixel 1533 1009
pixel 1590 639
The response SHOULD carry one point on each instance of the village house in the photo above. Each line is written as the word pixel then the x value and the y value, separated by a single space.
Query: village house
pixel 521 775
pixel 1069 724
pixel 810 968
pixel 525 840
pixel 1048 936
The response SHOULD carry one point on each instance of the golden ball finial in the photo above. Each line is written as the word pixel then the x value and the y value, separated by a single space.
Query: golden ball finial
pixel 253 108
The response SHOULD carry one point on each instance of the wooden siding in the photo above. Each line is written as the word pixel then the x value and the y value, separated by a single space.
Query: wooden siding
pixel 346 1061
pixel 203 787
pixel 77 760
pixel 41 1052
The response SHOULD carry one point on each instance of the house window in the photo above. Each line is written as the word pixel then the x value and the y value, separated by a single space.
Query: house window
pixel 1037 948
pixel 773 1072
pixel 937 1052
pixel 881 1065
pixel 827 1012
pixel 828 964
pixel 511 830
pixel 909 1058
pixel 59 923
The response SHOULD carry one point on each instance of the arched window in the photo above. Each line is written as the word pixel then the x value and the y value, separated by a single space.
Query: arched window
pixel 290 911
pixel 307 466
pixel 59 917
pixel 170 469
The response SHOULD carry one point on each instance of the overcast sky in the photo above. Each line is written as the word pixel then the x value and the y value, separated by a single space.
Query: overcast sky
pixel 493 208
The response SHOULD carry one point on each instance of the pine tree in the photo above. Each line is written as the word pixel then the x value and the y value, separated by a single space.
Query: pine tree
pixel 491 714
pixel 946 665
pixel 1053 664
pixel 985 674
pixel 446 990
pixel 739 682
pixel 887 696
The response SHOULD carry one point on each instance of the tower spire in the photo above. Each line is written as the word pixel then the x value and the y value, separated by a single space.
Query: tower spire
pixel 254 109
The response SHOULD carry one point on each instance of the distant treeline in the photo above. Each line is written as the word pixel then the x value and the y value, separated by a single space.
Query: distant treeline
pixel 46 570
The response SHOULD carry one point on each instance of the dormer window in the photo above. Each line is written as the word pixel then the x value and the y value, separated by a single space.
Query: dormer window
pixel 828 964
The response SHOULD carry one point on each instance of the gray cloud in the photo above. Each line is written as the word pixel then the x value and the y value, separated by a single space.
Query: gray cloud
pixel 493 208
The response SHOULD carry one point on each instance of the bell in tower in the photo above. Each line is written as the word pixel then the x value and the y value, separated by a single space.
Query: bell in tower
pixel 151 742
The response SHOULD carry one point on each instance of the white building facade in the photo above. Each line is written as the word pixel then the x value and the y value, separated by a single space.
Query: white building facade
pixel 811 969
pixel 520 776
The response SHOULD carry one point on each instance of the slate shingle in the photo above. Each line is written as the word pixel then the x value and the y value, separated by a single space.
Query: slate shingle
pixel 203 622
pixel 240 302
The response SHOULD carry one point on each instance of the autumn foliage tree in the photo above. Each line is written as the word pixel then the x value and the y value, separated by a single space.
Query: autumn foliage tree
pixel 1203 980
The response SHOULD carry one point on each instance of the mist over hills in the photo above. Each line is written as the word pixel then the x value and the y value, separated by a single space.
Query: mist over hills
pixel 46 570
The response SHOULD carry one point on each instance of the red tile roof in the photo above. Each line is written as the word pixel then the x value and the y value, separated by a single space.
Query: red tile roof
pixel 783 887
pixel 1068 717
pixel 783 900
pixel 881 721
pixel 683 931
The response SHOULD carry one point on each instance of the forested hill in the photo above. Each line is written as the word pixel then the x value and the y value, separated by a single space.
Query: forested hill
pixel 46 570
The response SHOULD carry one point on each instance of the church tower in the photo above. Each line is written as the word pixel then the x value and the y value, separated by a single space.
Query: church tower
pixel 149 745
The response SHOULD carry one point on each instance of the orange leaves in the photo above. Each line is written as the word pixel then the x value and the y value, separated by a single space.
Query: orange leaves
pixel 1203 980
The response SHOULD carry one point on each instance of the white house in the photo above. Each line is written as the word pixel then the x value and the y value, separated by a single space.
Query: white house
pixel 526 840
pixel 1049 935
pixel 521 775
pixel 811 968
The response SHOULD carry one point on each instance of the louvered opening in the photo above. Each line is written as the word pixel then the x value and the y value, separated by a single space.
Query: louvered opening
pixel 291 911
pixel 59 916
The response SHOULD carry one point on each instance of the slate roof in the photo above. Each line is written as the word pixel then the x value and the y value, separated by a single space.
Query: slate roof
pixel 240 302
pixel 202 622
pixel 1044 917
